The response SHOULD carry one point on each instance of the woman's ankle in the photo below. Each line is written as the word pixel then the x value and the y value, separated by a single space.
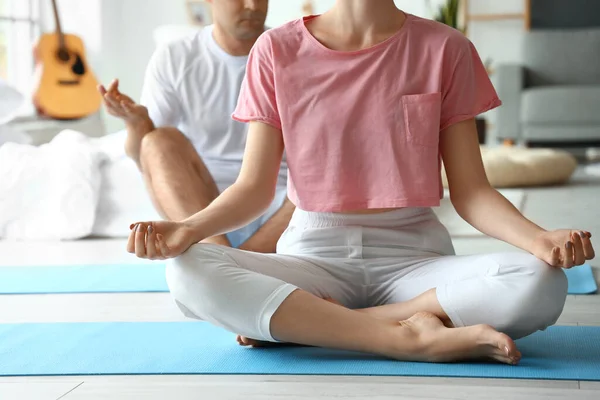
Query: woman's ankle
pixel 399 340
pixel 416 336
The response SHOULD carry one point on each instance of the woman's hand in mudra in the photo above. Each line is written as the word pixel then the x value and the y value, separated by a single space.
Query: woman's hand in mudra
pixel 564 248
pixel 159 240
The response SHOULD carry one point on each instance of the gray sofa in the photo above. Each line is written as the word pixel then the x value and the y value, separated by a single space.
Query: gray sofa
pixel 554 96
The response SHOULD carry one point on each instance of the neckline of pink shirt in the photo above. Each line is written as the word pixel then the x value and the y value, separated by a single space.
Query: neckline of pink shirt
pixel 403 29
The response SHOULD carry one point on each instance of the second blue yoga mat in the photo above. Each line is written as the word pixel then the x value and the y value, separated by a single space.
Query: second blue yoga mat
pixel 150 278
pixel 581 280
pixel 561 353
pixel 111 278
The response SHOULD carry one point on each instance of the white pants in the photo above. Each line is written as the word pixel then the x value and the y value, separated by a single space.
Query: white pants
pixel 365 261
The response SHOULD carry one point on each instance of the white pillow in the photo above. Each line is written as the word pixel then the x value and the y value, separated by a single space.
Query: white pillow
pixel 49 192
pixel 10 102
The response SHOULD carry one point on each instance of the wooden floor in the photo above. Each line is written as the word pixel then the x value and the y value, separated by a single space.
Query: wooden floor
pixel 570 206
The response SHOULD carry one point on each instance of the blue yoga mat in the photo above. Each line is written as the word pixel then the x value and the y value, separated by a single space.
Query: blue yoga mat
pixel 112 278
pixel 150 278
pixel 581 280
pixel 562 353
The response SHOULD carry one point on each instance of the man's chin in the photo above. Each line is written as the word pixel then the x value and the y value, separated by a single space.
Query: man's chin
pixel 247 34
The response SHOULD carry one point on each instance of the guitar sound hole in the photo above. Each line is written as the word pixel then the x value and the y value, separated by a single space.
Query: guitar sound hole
pixel 79 67
pixel 63 55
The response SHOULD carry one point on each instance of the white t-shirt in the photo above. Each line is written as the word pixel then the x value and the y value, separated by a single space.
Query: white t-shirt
pixel 193 84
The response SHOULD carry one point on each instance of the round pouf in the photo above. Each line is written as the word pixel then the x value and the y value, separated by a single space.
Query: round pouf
pixel 508 167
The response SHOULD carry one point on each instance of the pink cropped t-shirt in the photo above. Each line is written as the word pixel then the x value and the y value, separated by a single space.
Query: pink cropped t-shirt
pixel 361 129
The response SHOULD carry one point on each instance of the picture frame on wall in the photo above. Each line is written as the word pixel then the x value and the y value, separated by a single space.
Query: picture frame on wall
pixel 199 11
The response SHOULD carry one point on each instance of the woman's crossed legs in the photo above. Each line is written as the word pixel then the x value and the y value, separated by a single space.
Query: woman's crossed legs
pixel 280 298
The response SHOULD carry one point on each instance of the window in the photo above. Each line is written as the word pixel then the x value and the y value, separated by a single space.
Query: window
pixel 19 30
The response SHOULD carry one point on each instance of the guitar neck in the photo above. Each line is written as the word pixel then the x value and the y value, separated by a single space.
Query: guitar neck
pixel 59 31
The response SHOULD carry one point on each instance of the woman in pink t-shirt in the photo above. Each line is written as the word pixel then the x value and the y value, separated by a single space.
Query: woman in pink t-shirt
pixel 367 101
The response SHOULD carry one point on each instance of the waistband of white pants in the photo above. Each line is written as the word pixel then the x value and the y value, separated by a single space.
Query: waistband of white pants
pixel 386 219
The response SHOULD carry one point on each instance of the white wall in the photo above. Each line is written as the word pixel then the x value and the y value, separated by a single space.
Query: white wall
pixel 120 41
pixel 499 41
pixel 281 11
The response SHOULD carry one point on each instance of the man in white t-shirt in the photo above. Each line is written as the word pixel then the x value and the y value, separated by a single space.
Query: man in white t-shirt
pixel 182 136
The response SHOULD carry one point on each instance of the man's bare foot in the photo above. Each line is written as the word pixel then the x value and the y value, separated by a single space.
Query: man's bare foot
pixel 438 343
pixel 245 341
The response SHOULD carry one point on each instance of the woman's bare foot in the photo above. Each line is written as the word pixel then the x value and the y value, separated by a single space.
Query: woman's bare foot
pixel 441 344
pixel 245 341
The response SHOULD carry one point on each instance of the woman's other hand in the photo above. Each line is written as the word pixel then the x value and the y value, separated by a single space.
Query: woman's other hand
pixel 564 248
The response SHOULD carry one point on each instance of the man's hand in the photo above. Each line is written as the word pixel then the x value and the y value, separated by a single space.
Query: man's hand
pixel 122 106
pixel 135 115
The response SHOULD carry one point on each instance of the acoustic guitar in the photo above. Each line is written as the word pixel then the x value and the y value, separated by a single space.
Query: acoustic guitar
pixel 65 86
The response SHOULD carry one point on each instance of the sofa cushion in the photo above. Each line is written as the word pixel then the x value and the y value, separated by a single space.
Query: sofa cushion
pixel 565 105
pixel 562 57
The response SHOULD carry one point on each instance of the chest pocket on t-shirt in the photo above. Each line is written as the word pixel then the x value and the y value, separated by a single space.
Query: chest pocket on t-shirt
pixel 422 118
